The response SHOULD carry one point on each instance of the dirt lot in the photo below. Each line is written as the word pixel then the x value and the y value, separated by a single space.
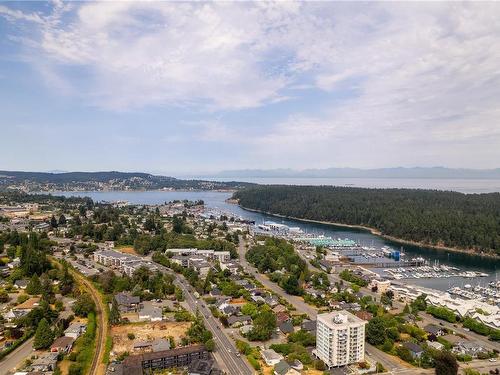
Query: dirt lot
pixel 126 250
pixel 146 332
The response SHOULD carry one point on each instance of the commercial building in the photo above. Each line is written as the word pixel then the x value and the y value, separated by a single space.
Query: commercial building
pixel 340 338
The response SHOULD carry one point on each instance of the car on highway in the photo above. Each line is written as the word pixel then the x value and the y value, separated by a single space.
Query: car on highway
pixel 492 359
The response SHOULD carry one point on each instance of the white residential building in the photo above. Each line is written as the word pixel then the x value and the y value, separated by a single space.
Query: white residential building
pixel 340 338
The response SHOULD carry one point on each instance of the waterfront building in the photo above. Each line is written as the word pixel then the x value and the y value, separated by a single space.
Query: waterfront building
pixel 340 338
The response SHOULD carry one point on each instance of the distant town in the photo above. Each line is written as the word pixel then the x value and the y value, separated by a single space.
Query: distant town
pixel 103 181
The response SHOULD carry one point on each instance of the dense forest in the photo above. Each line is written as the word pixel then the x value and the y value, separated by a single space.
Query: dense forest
pixel 445 218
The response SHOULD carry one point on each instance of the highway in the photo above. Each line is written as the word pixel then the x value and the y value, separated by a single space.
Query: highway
pixel 225 348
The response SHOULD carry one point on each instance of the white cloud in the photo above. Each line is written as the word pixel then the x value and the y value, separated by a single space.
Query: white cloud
pixel 413 78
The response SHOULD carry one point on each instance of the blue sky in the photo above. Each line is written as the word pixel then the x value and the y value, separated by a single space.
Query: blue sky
pixel 198 87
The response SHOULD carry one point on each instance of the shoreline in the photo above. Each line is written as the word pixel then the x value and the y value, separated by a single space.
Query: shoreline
pixel 377 233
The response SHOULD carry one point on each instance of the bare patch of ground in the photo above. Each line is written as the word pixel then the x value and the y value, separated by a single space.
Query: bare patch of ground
pixel 146 332
pixel 126 250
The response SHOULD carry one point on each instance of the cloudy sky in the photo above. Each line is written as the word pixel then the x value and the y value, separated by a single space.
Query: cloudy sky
pixel 199 87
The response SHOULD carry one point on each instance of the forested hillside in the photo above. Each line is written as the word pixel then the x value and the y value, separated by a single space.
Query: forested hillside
pixel 443 218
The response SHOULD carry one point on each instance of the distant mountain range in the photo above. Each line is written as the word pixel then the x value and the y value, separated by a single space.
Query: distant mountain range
pixel 80 181
pixel 400 172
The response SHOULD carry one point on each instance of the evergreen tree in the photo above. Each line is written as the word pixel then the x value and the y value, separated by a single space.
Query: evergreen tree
pixel 62 220
pixel 114 313
pixel 43 335
pixel 53 222
pixel 34 286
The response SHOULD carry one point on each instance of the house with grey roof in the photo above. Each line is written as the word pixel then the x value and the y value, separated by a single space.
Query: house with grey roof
pixel 415 350
pixel 127 302
pixel 149 312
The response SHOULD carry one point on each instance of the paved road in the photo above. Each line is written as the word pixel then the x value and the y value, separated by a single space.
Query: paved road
pixel 9 363
pixel 225 348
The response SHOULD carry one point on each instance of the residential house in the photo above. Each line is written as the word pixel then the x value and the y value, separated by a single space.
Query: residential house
pixel 283 368
pixel 271 300
pixel 236 321
pixel 435 344
pixel 62 344
pixel 25 307
pixel 434 330
pixel 75 330
pixel 271 357
pixel 286 327
pixel 282 317
pixel 149 312
pixel 21 284
pixel 45 363
pixel 416 351
pixel 365 315
pixel 279 309
pixel 468 348
pixel 258 299
pixel 309 326
pixel 127 302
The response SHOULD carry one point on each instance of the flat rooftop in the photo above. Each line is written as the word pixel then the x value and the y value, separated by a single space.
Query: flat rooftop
pixel 339 318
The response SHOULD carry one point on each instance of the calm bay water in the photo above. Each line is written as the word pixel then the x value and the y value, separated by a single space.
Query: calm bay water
pixel 217 200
